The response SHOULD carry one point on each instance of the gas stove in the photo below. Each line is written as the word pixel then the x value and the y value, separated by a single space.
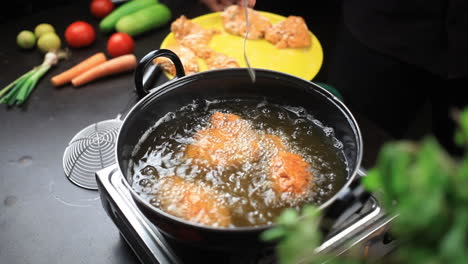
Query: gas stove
pixel 364 232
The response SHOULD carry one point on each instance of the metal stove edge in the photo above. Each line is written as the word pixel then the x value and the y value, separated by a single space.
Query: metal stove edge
pixel 125 216
pixel 123 212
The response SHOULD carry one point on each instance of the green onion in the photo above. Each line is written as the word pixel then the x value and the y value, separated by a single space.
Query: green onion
pixel 18 91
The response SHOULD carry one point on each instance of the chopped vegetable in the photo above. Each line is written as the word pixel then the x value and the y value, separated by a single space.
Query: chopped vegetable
pixel 108 23
pixel 116 65
pixel 144 20
pixel 43 28
pixel 49 42
pixel 26 39
pixel 78 69
pixel 19 90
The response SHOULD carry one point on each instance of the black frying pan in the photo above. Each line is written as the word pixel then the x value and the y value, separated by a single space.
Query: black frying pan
pixel 273 86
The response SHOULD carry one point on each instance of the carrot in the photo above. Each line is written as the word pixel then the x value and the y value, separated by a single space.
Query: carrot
pixel 78 69
pixel 113 66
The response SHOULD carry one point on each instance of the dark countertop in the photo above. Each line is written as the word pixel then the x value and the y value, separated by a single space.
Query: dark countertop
pixel 44 218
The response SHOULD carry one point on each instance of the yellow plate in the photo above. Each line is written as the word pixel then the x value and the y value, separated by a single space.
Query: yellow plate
pixel 303 62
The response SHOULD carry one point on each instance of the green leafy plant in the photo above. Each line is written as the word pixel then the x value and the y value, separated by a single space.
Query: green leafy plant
pixel 298 235
pixel 419 182
pixel 295 232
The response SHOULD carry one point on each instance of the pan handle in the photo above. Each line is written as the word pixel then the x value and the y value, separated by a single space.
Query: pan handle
pixel 148 59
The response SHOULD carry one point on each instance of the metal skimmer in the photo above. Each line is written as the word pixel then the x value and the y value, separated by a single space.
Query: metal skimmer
pixel 91 150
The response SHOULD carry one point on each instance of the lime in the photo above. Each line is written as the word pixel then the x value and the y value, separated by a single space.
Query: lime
pixel 43 28
pixel 26 39
pixel 49 42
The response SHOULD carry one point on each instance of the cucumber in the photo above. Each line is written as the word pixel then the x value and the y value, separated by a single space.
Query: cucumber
pixel 143 20
pixel 107 24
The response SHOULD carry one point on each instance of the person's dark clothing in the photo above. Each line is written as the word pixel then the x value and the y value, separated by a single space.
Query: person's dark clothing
pixel 432 34
pixel 390 88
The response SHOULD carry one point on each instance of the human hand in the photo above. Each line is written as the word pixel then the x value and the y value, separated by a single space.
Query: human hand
pixel 219 5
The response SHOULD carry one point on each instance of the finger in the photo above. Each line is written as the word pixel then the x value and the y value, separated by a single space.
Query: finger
pixel 221 4
pixel 213 5
pixel 227 3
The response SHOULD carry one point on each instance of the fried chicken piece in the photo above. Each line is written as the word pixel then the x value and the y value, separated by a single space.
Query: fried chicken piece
pixel 234 22
pixel 218 60
pixel 193 36
pixel 192 202
pixel 228 141
pixel 187 57
pixel 273 141
pixel 288 171
pixel 290 33
pixel 222 120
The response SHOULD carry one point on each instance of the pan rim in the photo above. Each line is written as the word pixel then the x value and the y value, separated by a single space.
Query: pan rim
pixel 174 84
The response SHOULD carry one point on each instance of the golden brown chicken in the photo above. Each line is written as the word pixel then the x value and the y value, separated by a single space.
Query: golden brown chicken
pixel 290 33
pixel 228 141
pixel 193 36
pixel 289 172
pixel 234 22
pixel 187 57
pixel 218 60
pixel 192 202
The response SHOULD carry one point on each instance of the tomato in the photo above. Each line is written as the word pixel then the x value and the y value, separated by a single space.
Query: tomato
pixel 119 44
pixel 101 8
pixel 80 34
